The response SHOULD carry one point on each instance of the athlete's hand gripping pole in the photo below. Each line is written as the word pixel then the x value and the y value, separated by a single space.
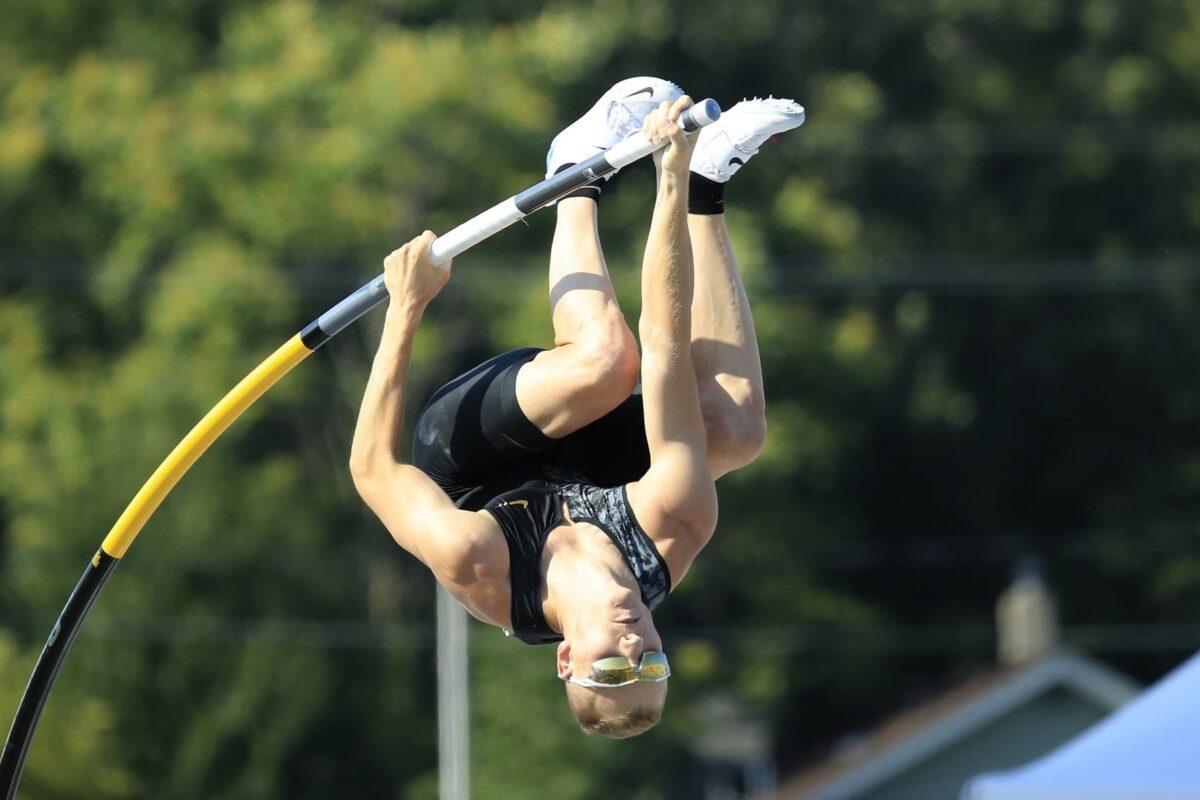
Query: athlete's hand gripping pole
pixel 242 396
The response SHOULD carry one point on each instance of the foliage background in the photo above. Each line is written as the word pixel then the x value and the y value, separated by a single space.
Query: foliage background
pixel 974 273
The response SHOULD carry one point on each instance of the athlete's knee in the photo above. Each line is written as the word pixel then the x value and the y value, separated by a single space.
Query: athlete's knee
pixel 735 421
pixel 608 355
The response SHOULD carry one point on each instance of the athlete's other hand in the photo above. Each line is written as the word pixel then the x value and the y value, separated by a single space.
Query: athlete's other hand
pixel 662 124
pixel 412 279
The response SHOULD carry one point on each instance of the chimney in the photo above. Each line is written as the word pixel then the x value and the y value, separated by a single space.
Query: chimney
pixel 1026 616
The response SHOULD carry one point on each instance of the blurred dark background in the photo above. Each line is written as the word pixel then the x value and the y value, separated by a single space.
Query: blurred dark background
pixel 974 273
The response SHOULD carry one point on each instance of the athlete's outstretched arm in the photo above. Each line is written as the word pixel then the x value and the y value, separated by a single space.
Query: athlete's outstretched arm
pixel 675 501
pixel 418 514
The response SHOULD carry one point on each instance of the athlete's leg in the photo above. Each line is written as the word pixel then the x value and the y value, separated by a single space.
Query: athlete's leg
pixel 594 363
pixel 724 347
pixel 725 350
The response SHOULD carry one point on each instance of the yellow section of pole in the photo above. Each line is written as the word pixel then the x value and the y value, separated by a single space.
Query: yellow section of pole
pixel 212 425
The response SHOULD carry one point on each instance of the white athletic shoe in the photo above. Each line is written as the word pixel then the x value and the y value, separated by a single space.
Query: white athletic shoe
pixel 725 146
pixel 618 113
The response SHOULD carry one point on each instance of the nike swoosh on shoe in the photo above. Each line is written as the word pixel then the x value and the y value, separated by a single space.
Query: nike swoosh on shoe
pixel 649 90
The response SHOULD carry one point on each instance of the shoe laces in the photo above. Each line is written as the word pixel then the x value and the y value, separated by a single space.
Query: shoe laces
pixel 625 118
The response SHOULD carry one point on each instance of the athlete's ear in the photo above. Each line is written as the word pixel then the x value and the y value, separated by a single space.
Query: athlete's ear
pixel 564 660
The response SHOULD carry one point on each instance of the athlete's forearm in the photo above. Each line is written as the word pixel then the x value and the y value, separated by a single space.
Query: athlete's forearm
pixel 667 276
pixel 377 437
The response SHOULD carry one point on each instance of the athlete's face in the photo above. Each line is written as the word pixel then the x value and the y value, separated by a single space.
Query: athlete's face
pixel 617 711
pixel 616 631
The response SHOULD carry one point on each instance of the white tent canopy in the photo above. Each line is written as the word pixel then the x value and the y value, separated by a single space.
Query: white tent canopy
pixel 1148 750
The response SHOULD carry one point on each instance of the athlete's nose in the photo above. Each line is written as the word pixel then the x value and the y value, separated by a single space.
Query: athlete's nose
pixel 631 646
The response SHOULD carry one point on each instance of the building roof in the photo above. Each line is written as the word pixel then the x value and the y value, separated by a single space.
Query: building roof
pixel 918 733
pixel 1147 749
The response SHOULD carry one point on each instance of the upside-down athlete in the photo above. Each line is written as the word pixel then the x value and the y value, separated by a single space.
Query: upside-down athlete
pixel 548 493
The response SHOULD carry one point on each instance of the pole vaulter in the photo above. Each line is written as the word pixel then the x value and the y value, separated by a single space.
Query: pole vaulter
pixel 253 386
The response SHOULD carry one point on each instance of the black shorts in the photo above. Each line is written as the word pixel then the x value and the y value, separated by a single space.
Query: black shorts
pixel 475 442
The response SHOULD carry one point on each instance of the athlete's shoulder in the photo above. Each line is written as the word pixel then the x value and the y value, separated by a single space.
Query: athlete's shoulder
pixel 470 549
pixel 470 560
pixel 678 533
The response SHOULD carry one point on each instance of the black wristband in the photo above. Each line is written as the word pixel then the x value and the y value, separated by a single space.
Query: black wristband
pixel 705 196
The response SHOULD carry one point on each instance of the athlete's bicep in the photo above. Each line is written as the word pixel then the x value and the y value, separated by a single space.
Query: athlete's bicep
pixel 677 494
pixel 417 513
pixel 678 482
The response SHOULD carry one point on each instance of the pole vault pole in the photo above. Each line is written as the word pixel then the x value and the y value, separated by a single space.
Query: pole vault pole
pixel 264 376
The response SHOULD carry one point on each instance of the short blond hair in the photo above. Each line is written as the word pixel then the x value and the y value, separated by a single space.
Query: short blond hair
pixel 618 725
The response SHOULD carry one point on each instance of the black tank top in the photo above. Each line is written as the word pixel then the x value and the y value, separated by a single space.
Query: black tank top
pixel 526 516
